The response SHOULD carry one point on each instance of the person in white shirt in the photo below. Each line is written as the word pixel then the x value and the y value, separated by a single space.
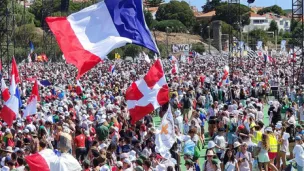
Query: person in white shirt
pixel 220 142
pixel 298 153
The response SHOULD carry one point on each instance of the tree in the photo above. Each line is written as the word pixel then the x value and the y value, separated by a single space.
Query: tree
pixel 211 5
pixel 148 18
pixel 154 3
pixel 131 50
pixel 173 25
pixel 273 26
pixel 198 47
pixel 232 16
pixel 175 10
pixel 274 9
pixel 258 34
pixel 29 18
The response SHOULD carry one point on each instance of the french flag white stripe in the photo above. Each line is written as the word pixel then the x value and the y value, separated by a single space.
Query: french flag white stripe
pixel 94 28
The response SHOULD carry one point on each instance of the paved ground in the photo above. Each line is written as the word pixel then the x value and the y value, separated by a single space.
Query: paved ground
pixel 157 121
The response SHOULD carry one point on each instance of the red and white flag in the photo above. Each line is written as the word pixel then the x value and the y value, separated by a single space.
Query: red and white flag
pixel 45 160
pixel 31 107
pixel 14 72
pixel 4 90
pixel 174 69
pixel 225 76
pixel 147 94
pixel 78 88
pixel 11 106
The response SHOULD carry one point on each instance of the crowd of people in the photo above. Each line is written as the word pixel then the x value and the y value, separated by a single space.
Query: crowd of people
pixel 226 117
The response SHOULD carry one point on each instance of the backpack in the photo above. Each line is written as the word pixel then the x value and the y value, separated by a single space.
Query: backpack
pixel 187 103
pixel 292 132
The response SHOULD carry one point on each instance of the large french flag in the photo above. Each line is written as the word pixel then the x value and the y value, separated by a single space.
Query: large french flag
pixel 31 107
pixel 87 36
pixel 11 107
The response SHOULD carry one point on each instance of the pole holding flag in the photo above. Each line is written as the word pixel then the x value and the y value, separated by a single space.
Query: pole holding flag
pixel 31 46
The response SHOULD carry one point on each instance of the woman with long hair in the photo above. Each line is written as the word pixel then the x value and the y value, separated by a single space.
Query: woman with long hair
pixel 230 163
pixel 263 152
pixel 284 144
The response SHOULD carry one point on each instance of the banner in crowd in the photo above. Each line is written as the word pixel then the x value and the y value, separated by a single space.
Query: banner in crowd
pixel 181 48
pixel 259 45
pixel 283 45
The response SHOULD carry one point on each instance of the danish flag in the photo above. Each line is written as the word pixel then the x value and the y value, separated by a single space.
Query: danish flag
pixel 148 93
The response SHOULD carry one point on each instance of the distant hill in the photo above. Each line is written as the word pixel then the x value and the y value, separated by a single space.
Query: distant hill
pixel 288 11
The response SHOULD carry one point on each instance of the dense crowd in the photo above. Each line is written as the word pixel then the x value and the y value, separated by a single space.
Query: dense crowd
pixel 93 124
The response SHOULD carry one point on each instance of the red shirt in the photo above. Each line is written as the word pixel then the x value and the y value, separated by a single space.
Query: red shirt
pixel 80 140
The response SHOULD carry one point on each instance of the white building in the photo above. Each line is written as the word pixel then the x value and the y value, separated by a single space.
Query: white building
pixel 263 22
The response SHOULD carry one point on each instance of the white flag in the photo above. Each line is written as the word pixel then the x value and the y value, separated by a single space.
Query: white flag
pixel 147 59
pixel 165 138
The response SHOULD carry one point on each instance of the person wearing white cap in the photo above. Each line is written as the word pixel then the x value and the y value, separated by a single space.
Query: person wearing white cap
pixel 244 158
pixel 127 165
pixel 273 147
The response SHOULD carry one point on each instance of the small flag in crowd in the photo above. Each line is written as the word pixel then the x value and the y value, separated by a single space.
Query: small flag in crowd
pixel 225 75
pixel 15 74
pixel 146 57
pixel 172 58
pixel 31 107
pixel 11 107
pixel 31 46
pixel 4 90
pixel 29 58
pixel 166 136
pixel 45 83
pixel 174 69
pixel 117 56
pixel 147 94
pixel 108 25
pixel 78 88
pixel 112 68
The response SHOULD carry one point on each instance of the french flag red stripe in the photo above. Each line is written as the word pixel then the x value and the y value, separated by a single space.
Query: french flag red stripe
pixel 34 165
pixel 72 49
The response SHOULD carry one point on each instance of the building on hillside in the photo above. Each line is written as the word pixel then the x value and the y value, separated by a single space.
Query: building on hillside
pixel 263 22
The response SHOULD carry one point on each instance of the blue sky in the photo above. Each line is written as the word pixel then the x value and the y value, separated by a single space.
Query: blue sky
pixel 285 4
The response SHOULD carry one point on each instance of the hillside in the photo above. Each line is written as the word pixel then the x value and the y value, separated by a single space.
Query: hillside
pixel 288 11
pixel 179 38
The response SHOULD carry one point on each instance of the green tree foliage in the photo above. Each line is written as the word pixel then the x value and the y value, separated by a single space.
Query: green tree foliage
pixel 229 14
pixel 175 10
pixel 26 33
pixel 198 47
pixel 154 3
pixel 173 26
pixel 258 34
pixel 211 5
pixel 28 18
pixel 274 9
pixel 200 28
pixel 131 50
pixel 149 18
pixel 273 26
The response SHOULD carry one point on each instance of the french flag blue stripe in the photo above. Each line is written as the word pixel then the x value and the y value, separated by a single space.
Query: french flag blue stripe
pixel 18 97
pixel 128 19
